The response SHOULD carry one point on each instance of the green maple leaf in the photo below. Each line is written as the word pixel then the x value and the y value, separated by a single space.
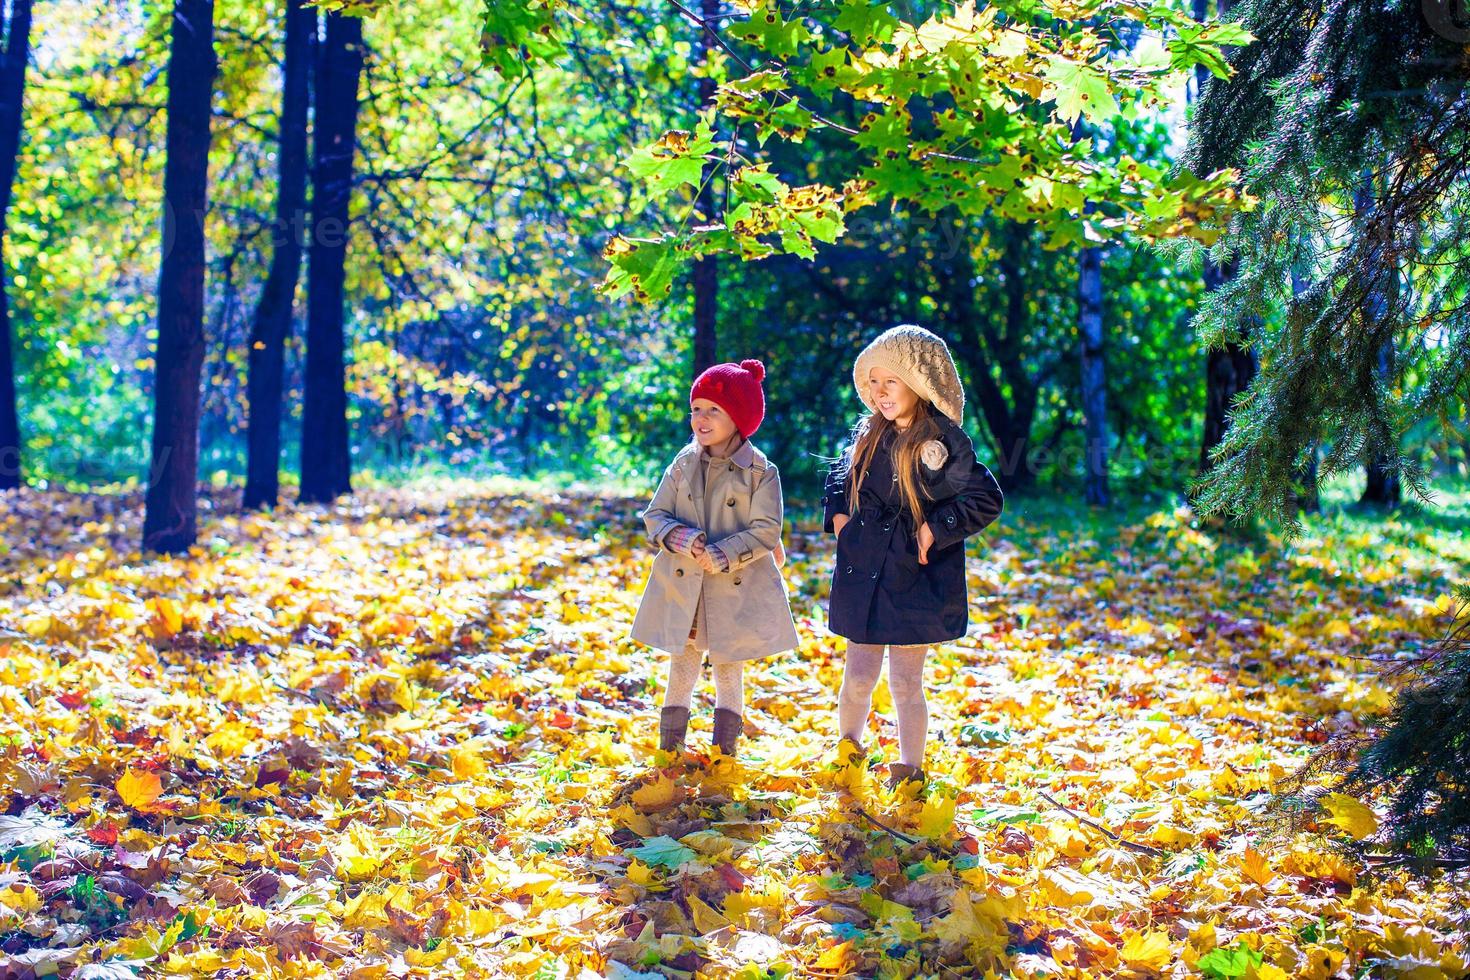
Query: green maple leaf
pixel 768 31
pixel 645 268
pixel 757 183
pixel 890 131
pixel 1078 89
pixel 676 158
pixel 790 120
pixel 662 850
pixel 866 22
pixel 826 68
pixel 1232 961
pixel 512 35
pixel 1201 45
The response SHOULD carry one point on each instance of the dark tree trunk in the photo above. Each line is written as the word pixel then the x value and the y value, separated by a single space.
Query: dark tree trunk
pixel 1230 370
pixel 1384 487
pixel 979 345
pixel 267 357
pixel 169 522
pixel 326 461
pixel 1094 375
pixel 1308 495
pixel 12 92
pixel 706 270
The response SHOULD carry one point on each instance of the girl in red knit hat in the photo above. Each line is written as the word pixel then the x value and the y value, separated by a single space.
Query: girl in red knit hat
pixel 715 586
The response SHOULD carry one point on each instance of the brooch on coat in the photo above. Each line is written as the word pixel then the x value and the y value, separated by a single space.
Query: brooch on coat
pixel 933 454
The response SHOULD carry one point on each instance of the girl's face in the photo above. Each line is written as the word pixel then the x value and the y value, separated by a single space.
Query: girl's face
pixel 896 400
pixel 710 423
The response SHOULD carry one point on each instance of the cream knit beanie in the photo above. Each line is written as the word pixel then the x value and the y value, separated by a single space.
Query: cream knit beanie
pixel 922 360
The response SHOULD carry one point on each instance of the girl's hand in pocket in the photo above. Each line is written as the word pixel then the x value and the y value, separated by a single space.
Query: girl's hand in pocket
pixel 926 541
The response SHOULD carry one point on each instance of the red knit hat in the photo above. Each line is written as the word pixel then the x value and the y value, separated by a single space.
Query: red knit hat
pixel 737 389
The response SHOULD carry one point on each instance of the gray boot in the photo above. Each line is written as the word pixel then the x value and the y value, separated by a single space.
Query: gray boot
pixel 728 725
pixel 673 723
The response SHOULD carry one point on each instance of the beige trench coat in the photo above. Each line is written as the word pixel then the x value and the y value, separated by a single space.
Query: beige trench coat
pixel 747 612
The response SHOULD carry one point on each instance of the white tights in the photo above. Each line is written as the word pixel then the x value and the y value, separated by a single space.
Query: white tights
pixel 905 683
pixel 684 670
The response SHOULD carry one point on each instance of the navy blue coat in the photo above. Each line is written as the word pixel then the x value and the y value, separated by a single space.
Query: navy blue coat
pixel 880 592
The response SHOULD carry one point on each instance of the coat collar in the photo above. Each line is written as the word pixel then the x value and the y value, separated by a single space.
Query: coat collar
pixel 744 457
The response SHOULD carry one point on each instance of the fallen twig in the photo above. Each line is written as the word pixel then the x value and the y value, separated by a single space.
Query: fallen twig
pixel 883 826
pixel 1131 845
pixel 1396 860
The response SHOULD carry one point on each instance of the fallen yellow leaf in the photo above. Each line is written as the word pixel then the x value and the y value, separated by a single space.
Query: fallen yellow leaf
pixel 467 763
pixel 1146 950
pixel 139 790
pixel 1253 865
pixel 834 957
pixel 1351 815
pixel 655 795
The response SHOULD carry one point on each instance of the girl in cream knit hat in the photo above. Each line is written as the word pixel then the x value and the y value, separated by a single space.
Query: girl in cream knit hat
pixel 902 498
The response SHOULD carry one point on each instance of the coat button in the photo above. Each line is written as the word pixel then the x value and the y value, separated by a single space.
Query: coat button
pixel 737 581
pixel 888 527
pixel 678 573
pixel 732 466
pixel 849 569
pixel 730 502
pixel 860 522
pixel 872 575
pixel 949 520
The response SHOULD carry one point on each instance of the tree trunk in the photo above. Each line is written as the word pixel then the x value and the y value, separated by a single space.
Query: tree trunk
pixel 1308 495
pixel 1094 376
pixel 706 270
pixel 12 91
pixel 978 345
pixel 171 511
pixel 1230 370
pixel 1383 488
pixel 267 356
pixel 326 461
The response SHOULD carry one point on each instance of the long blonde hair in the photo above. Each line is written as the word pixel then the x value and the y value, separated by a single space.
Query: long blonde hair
pixel 905 455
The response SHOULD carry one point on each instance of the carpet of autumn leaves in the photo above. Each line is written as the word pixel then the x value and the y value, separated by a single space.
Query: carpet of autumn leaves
pixel 409 737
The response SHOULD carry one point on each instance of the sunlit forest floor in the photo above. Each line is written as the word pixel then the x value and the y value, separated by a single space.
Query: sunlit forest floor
pixel 409 736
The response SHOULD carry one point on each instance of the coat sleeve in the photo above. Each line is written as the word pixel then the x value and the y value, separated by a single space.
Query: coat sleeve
pixel 658 516
pixel 834 492
pixel 968 498
pixel 762 535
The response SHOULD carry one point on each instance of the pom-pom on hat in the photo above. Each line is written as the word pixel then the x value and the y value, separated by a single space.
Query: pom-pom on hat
pixel 737 389
pixel 922 360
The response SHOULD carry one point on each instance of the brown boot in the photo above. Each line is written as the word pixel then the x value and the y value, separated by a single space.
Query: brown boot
pixel 673 723
pixel 858 755
pixel 900 773
pixel 728 725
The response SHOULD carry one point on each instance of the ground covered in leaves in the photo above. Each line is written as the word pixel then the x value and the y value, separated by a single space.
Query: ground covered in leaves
pixel 409 737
